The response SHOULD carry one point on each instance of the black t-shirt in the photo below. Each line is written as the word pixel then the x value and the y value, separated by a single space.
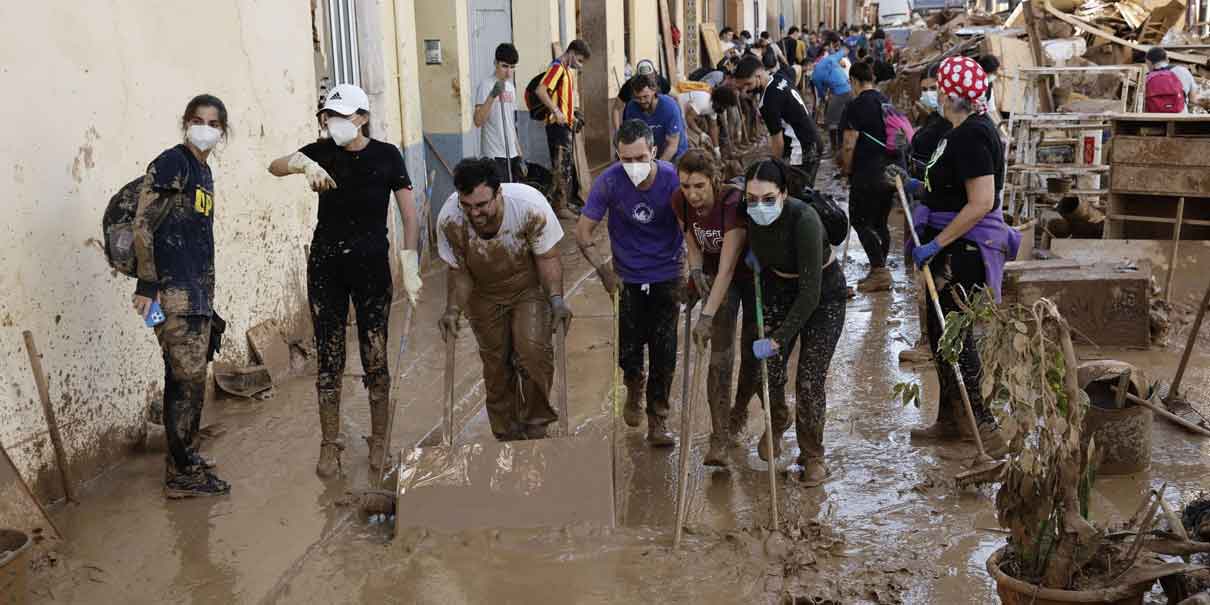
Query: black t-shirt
pixel 864 115
pixel 627 92
pixel 973 149
pixel 783 110
pixel 926 140
pixel 355 213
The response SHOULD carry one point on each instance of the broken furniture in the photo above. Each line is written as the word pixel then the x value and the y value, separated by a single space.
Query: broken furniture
pixel 1067 147
pixel 1159 182
pixel 1106 304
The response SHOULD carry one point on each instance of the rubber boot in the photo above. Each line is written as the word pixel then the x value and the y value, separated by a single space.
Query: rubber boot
pixel 879 280
pixel 995 442
pixel 814 471
pixel 948 426
pixel 632 413
pixel 738 423
pixel 658 434
pixel 329 425
pixel 762 448
pixel 720 435
pixel 716 455
pixel 380 401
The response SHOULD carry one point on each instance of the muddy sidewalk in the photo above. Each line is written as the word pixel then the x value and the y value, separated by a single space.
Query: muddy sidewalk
pixel 889 527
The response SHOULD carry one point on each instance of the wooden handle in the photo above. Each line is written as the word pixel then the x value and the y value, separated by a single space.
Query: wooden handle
pixel 1166 414
pixel 449 389
pixel 52 423
pixel 561 333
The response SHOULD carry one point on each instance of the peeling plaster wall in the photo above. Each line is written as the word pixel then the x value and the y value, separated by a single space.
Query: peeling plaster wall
pixel 94 95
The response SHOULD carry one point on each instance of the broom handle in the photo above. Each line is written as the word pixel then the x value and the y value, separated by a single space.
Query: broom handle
pixel 764 381
pixel 1174 392
pixel 932 288
pixel 563 420
pixel 397 378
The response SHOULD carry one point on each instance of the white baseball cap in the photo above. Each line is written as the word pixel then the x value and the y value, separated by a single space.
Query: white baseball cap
pixel 346 100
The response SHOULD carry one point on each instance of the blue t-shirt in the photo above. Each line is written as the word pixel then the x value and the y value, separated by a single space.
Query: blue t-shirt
pixel 665 120
pixel 829 76
pixel 643 233
pixel 184 243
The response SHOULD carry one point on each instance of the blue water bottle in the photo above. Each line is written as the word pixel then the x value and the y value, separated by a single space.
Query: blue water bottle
pixel 155 316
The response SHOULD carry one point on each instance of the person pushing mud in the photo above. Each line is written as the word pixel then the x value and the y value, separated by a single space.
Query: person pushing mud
pixel 647 248
pixel 501 243
pixel 355 177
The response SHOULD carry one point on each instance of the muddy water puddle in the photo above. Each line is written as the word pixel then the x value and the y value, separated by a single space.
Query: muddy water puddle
pixel 888 527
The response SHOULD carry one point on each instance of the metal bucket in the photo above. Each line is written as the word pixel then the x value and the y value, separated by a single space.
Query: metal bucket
pixel 1122 435
pixel 14 561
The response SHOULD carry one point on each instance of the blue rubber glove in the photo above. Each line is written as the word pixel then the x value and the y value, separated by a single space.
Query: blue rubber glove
pixel 752 262
pixel 913 187
pixel 764 348
pixel 922 254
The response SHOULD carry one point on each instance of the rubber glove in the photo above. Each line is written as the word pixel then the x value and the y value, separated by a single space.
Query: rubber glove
pixel 701 282
pixel 702 331
pixel 922 254
pixel 560 313
pixel 450 324
pixel 497 89
pixel 911 186
pixel 609 279
pixel 409 267
pixel 752 262
pixel 764 348
pixel 317 177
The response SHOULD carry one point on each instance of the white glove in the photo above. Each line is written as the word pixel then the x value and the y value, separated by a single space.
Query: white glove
pixel 409 269
pixel 317 177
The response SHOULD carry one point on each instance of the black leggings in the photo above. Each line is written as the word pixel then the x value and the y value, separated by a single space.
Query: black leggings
pixel 818 338
pixel 335 276
pixel 648 318
pixel 958 269
pixel 870 202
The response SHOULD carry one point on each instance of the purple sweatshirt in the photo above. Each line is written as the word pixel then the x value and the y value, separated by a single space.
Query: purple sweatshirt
pixel 998 243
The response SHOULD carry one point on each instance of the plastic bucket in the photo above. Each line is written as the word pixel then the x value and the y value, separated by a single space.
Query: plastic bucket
pixel 14 563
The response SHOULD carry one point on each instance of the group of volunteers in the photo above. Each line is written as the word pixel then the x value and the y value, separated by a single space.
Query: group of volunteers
pixel 679 234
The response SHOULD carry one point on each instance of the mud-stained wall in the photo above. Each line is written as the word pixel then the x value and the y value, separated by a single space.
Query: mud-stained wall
pixel 93 95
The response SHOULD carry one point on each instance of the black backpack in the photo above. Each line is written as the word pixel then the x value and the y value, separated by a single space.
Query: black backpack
pixel 538 111
pixel 117 224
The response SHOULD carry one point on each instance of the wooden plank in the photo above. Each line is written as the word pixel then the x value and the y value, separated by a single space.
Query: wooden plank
pixel 1015 58
pixel 1105 304
pixel 1176 245
pixel 52 422
pixel 714 47
pixel 1045 101
pixel 1100 33
pixel 269 349
pixel 666 36
pixel 1040 265
pixel 1160 180
pixel 1160 151
pixel 1187 287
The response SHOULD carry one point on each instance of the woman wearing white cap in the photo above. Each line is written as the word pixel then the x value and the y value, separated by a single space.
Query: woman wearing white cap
pixel 355 177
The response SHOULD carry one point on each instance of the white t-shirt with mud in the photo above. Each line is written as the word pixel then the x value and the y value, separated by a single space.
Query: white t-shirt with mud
pixel 504 263
pixel 699 100
pixel 498 135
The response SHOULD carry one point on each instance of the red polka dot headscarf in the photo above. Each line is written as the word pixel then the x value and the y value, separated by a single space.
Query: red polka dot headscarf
pixel 962 78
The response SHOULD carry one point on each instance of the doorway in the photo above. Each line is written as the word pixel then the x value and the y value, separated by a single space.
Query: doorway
pixel 491 24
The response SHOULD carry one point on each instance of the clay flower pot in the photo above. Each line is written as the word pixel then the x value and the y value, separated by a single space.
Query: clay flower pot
pixel 1016 592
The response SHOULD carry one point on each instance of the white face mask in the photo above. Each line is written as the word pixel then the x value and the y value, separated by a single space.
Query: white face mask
pixel 928 98
pixel 765 214
pixel 637 171
pixel 203 137
pixel 342 131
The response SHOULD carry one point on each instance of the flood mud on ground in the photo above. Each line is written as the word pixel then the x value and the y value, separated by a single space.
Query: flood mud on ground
pixel 888 527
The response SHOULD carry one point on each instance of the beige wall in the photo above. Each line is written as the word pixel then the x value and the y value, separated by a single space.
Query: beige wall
pixel 644 31
pixel 445 90
pixel 535 28
pixel 94 96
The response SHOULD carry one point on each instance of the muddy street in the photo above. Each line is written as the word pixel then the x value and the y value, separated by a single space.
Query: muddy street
pixel 888 527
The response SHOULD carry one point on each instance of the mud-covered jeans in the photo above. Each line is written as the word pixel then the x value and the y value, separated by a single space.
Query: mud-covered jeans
pixel 184 341
pixel 817 340
pixel 722 353
pixel 648 317
pixel 514 339
pixel 870 202
pixel 334 277
pixel 562 164
pixel 958 269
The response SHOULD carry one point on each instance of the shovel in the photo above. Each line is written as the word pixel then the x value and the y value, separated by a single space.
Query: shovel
pixel 1173 400
pixel 764 385
pixel 983 465
pixel 682 478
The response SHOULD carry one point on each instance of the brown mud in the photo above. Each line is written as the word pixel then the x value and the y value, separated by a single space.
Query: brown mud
pixel 888 527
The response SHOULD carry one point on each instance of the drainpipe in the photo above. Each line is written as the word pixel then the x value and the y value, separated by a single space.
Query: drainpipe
pixel 563 41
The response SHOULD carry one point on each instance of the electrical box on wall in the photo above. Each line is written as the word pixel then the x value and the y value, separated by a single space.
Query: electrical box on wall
pixel 432 52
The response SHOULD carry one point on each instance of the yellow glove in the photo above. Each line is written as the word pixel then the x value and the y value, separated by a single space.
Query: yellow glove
pixel 317 177
pixel 409 269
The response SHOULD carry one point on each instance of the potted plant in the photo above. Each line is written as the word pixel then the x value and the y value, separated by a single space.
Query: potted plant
pixel 1054 553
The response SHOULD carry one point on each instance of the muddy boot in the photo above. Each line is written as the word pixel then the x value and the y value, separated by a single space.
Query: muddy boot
pixel 995 442
pixel 632 413
pixel 762 448
pixel 658 434
pixel 329 424
pixel 716 455
pixel 380 401
pixel 948 426
pixel 814 471
pixel 738 424
pixel 879 280
pixel 535 431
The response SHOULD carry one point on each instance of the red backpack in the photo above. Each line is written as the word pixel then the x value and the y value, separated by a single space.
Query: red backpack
pixel 1165 94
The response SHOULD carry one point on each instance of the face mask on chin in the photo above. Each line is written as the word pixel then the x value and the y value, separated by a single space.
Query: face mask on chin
pixel 637 171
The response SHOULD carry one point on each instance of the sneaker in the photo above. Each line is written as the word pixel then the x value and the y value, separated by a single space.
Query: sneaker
pixel 195 486
pixel 206 462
